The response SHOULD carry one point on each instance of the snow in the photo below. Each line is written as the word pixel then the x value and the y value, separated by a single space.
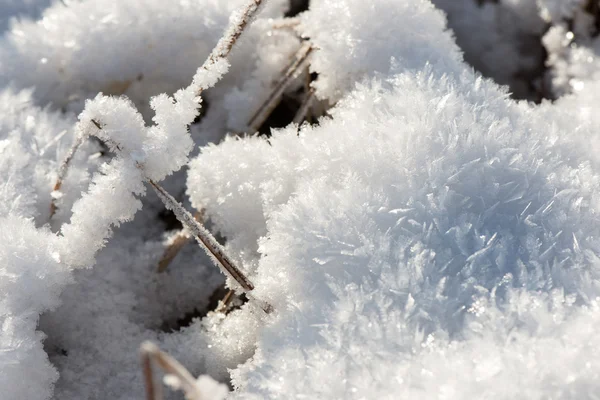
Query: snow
pixel 429 237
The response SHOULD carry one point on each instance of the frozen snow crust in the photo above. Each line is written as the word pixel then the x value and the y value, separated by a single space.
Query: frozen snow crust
pixel 430 238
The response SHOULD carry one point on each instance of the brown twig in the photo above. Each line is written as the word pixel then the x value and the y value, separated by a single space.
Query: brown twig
pixel 62 172
pixel 286 23
pixel 210 244
pixel 289 73
pixel 224 304
pixel 152 354
pixel 304 107
pixel 181 239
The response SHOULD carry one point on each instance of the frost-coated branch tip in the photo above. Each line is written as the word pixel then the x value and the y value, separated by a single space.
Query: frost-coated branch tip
pixel 62 172
pixel 225 45
pixel 206 240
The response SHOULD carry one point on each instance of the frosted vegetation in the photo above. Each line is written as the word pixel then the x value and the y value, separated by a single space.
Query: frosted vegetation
pixel 391 199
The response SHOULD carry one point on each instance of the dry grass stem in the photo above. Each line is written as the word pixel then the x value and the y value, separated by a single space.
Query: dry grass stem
pixel 226 43
pixel 182 238
pixel 224 304
pixel 151 354
pixel 290 72
pixel 221 50
pixel 286 23
pixel 204 237
pixel 62 172
pixel 304 107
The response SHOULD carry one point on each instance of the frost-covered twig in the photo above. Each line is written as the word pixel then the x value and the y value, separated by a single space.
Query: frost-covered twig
pixel 214 67
pixel 226 43
pixel 208 242
pixel 181 239
pixel 291 72
pixel 177 377
pixel 62 172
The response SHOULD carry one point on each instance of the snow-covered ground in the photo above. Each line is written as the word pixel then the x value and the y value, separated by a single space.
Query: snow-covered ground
pixel 430 234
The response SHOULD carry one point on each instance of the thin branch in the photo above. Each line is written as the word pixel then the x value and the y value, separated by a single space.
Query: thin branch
pixel 286 23
pixel 181 239
pixel 224 304
pixel 304 107
pixel 221 51
pixel 151 353
pixel 291 72
pixel 210 244
pixel 62 171
pixel 153 391
pixel 227 41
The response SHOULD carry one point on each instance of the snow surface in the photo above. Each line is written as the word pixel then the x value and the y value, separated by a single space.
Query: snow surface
pixel 430 237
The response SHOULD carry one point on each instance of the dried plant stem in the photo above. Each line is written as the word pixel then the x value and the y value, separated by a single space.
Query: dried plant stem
pixel 305 106
pixel 224 304
pixel 221 51
pixel 286 23
pixel 172 250
pixel 228 40
pixel 152 354
pixel 290 72
pixel 210 244
pixel 181 239
pixel 62 171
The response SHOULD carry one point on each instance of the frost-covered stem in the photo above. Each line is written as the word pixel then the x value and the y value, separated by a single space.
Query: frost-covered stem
pixel 208 242
pixel 303 110
pixel 234 32
pixel 286 23
pixel 62 171
pixel 221 51
pixel 181 239
pixel 227 41
pixel 291 72
pixel 151 353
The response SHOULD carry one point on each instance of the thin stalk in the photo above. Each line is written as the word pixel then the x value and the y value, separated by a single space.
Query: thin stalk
pixel 151 353
pixel 62 171
pixel 304 107
pixel 224 304
pixel 221 51
pixel 290 72
pixel 181 239
pixel 208 242
pixel 229 39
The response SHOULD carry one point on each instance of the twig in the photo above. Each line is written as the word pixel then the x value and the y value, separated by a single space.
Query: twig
pixel 227 41
pixel 224 304
pixel 210 244
pixel 181 239
pixel 291 71
pixel 153 391
pixel 151 353
pixel 286 23
pixel 304 107
pixel 62 171
pixel 221 51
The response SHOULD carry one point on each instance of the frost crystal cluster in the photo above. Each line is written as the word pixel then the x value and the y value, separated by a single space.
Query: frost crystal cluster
pixel 404 198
